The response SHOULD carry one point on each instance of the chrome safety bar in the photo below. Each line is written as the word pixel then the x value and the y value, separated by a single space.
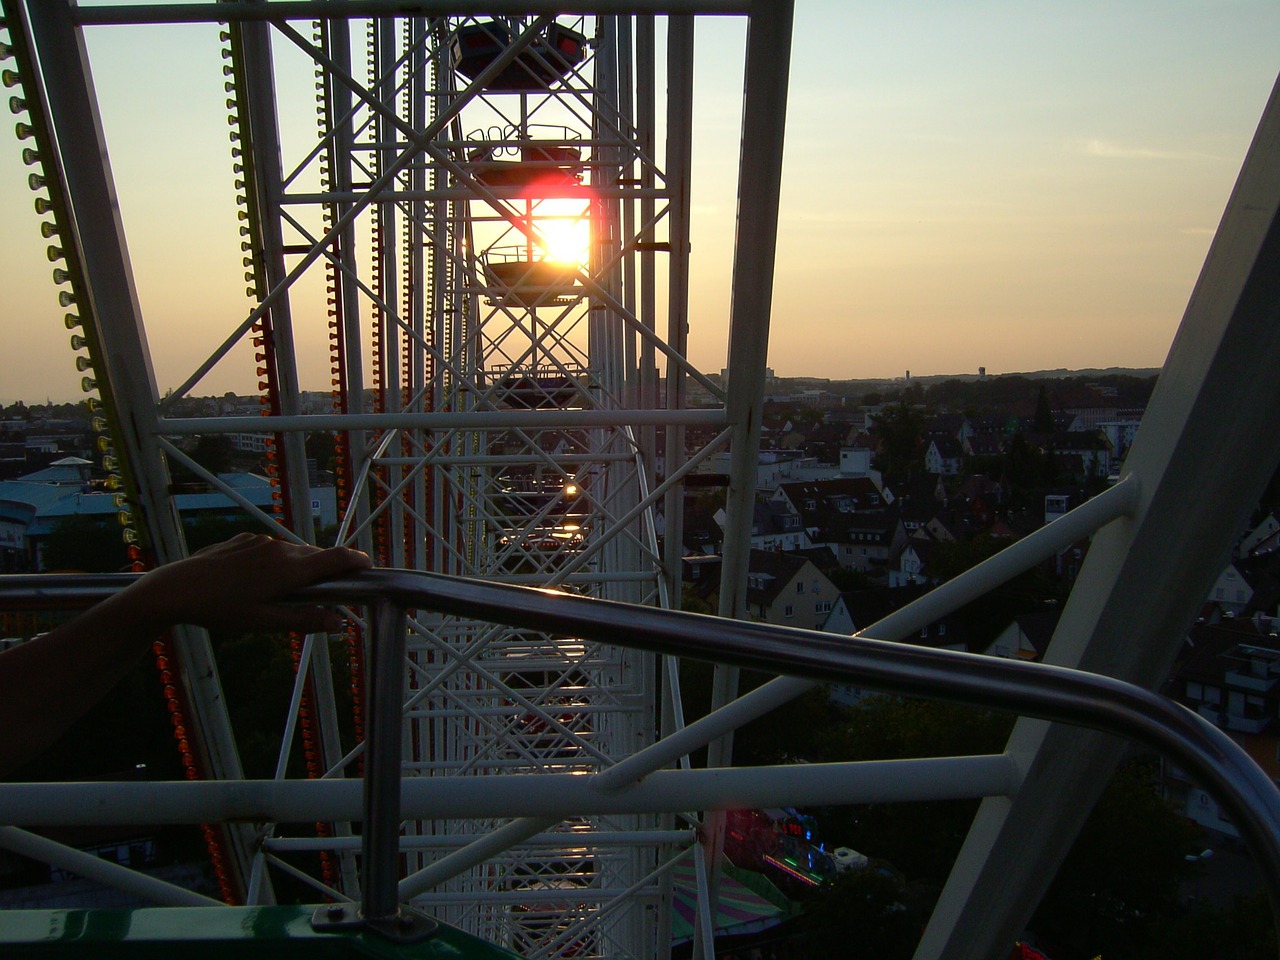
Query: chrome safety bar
pixel 1030 689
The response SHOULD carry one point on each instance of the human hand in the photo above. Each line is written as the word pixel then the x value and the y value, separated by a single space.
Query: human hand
pixel 238 584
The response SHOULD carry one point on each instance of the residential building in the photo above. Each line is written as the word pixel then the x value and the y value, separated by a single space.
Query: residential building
pixel 1027 636
pixel 912 565
pixel 839 495
pixel 867 607
pixel 788 589
pixel 1229 673
pixel 944 456
pixel 1231 591
pixel 774 526
pixel 862 541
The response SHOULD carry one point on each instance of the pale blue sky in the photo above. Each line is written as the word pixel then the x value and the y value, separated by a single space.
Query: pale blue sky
pixel 1016 185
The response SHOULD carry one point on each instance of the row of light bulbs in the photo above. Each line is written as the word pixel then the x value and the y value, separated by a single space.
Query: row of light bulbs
pixel 38 180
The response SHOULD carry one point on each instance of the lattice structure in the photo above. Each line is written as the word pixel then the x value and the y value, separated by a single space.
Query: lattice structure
pixel 499 414
pixel 497 207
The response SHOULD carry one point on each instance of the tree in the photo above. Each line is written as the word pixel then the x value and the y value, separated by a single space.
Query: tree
pixel 1117 888
pixel 1026 467
pixel 205 529
pixel 859 915
pixel 214 452
pixel 1043 421
pixel 1242 931
pixel 257 674
pixel 849 580
pixel 127 733
pixel 89 544
pixel 1121 879
pixel 921 839
pixel 796 730
pixel 985 617
pixel 897 430
pixel 322 447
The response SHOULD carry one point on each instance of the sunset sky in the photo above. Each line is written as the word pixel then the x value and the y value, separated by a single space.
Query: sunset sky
pixel 1015 185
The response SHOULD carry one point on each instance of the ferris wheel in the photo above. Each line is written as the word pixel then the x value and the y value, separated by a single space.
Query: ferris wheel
pixel 481 224
pixel 486 224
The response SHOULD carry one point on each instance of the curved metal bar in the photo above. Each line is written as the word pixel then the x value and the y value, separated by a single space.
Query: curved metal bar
pixel 1030 689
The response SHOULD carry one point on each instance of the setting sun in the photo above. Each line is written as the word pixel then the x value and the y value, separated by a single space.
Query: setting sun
pixel 564 232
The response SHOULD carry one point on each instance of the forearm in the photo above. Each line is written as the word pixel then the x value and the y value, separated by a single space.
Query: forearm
pixel 48 682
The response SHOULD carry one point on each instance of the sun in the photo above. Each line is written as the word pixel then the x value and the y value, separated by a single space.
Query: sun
pixel 565 237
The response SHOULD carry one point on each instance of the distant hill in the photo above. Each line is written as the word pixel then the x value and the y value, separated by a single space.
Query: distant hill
pixel 892 385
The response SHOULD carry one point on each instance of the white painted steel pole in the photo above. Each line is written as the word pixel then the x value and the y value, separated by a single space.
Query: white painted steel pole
pixel 1207 446
pixel 546 798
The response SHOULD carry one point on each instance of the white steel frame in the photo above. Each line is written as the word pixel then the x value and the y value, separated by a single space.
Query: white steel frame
pixel 445 471
pixel 1205 451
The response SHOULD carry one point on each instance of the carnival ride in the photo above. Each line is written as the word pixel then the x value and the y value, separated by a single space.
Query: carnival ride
pixel 497 208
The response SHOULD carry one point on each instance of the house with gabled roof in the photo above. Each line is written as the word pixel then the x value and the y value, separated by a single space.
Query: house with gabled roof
pixel 837 495
pixel 862 541
pixel 788 589
pixel 919 498
pixel 982 487
pixel 859 609
pixel 1261 571
pixel 1001 530
pixel 955 426
pixel 1120 434
pixel 1027 636
pixel 821 557
pixel 985 444
pixel 912 564
pixel 941 527
pixel 1091 446
pixel 774 526
pixel 1262 538
pixel 702 534
pixel 1232 590
pixel 824 441
pixel 867 607
pixel 915 514
pixel 944 456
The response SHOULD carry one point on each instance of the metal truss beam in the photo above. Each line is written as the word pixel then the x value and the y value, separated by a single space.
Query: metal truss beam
pixel 1207 446
pixel 84 169
pixel 342 9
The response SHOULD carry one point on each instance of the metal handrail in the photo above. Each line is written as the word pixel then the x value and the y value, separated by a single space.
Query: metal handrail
pixel 1030 689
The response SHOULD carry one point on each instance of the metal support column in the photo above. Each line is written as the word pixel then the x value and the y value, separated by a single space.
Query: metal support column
pixel 759 186
pixel 98 234
pixel 679 159
pixel 1131 607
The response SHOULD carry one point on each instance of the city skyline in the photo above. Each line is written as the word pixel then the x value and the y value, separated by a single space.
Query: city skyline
pixel 1019 187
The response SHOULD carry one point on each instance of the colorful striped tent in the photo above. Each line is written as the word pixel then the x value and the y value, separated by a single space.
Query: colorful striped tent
pixel 749 903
